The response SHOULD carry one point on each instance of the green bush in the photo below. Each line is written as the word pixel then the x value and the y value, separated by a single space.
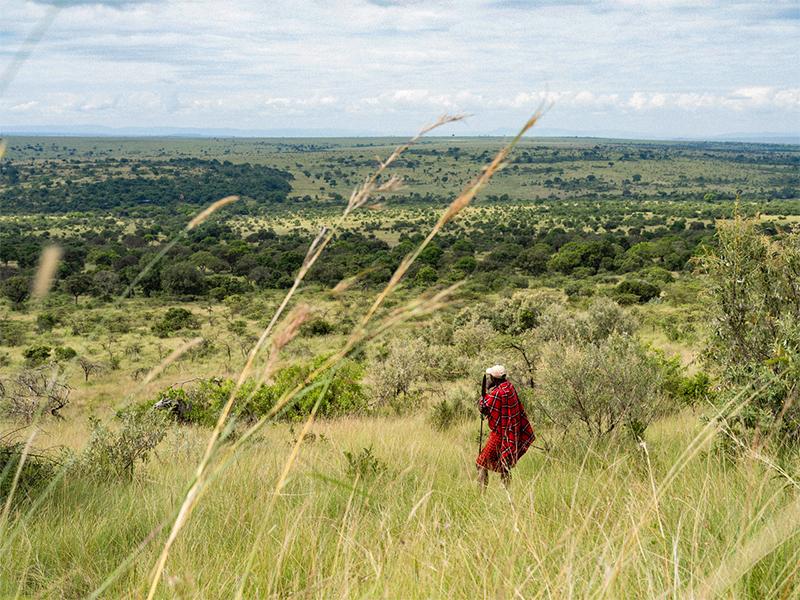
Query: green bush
pixel 65 353
pixel 114 453
pixel 174 320
pixel 318 326
pixel 595 389
pixel 36 355
pixel 363 464
pixel 46 321
pixel 452 409
pixel 657 274
pixel 754 339
pixel 344 395
pixel 643 290
pixel 12 333
pixel 36 472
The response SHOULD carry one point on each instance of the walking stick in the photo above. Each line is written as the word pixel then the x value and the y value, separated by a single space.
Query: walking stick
pixel 483 393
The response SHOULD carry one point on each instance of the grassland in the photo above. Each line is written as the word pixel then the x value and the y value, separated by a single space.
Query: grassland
pixel 383 502
pixel 579 521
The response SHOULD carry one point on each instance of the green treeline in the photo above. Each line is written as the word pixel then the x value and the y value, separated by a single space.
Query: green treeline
pixel 113 183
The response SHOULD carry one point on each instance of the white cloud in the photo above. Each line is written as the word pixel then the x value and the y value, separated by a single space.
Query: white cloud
pixel 788 98
pixel 25 107
pixel 404 61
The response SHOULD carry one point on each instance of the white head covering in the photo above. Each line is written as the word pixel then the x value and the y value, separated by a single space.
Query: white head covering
pixel 496 371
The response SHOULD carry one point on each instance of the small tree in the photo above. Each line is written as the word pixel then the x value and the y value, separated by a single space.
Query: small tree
pixel 32 391
pixel 77 284
pixel 754 298
pixel 599 387
pixel 16 289
pixel 90 367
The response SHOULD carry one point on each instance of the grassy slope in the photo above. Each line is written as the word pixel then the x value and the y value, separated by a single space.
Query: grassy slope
pixel 574 523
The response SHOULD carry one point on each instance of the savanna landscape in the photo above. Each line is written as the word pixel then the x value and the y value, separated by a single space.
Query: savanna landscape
pixel 250 368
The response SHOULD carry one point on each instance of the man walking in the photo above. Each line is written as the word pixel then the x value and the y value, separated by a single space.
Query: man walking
pixel 511 433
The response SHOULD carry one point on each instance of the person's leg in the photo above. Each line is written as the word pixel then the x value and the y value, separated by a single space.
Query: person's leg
pixel 483 477
pixel 505 477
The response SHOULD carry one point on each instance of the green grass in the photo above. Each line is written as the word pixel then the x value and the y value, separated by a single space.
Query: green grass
pixel 576 522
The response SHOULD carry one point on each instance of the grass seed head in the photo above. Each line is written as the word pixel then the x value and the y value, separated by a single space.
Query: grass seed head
pixel 46 272
pixel 211 210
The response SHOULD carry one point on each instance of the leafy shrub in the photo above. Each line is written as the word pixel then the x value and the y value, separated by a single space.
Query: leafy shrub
pixel 605 317
pixel 452 409
pixel 676 328
pixel 512 315
pixel 12 333
pixel 470 337
pixel 183 279
pixel 114 453
pixel 754 341
pixel 36 472
pixel 597 388
pixel 174 320
pixel 643 290
pixel 222 286
pixel 344 394
pixel 657 274
pixel 36 355
pixel 556 323
pixel 65 353
pixel 576 289
pixel 46 321
pixel 16 289
pixel 363 464
pixel 318 326
pixel 404 362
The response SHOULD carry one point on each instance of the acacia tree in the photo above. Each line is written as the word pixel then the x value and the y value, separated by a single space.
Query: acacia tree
pixel 16 289
pixel 77 284
pixel 754 294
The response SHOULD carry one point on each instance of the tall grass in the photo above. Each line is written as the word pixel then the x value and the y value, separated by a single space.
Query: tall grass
pixel 420 527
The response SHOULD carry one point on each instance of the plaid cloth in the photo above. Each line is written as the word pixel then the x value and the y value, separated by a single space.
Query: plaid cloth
pixel 508 421
pixel 489 457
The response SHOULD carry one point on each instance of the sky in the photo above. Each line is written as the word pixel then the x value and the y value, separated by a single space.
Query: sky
pixel 660 68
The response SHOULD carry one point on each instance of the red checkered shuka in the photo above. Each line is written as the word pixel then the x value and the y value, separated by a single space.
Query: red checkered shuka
pixel 508 420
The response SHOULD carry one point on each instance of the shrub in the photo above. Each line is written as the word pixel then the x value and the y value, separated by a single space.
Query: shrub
pixel 404 362
pixel 174 320
pixel 12 333
pixel 452 409
pixel 598 388
pixel 64 354
pixel 605 317
pixel 318 326
pixel 16 289
pixel 643 290
pixel 657 274
pixel 33 391
pixel 344 394
pixel 472 336
pixel 36 472
pixel 46 321
pixel 556 323
pixel 36 355
pixel 754 338
pixel 183 279
pixel 363 464
pixel 115 453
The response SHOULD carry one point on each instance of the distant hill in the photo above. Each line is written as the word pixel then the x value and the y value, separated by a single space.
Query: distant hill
pixel 198 132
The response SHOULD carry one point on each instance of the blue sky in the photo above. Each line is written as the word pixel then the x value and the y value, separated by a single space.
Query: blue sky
pixel 665 68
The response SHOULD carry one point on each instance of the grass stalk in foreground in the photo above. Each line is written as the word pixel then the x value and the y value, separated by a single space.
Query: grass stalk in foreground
pixel 357 199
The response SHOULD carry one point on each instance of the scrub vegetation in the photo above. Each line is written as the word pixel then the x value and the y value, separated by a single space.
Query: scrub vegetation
pixel 270 399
